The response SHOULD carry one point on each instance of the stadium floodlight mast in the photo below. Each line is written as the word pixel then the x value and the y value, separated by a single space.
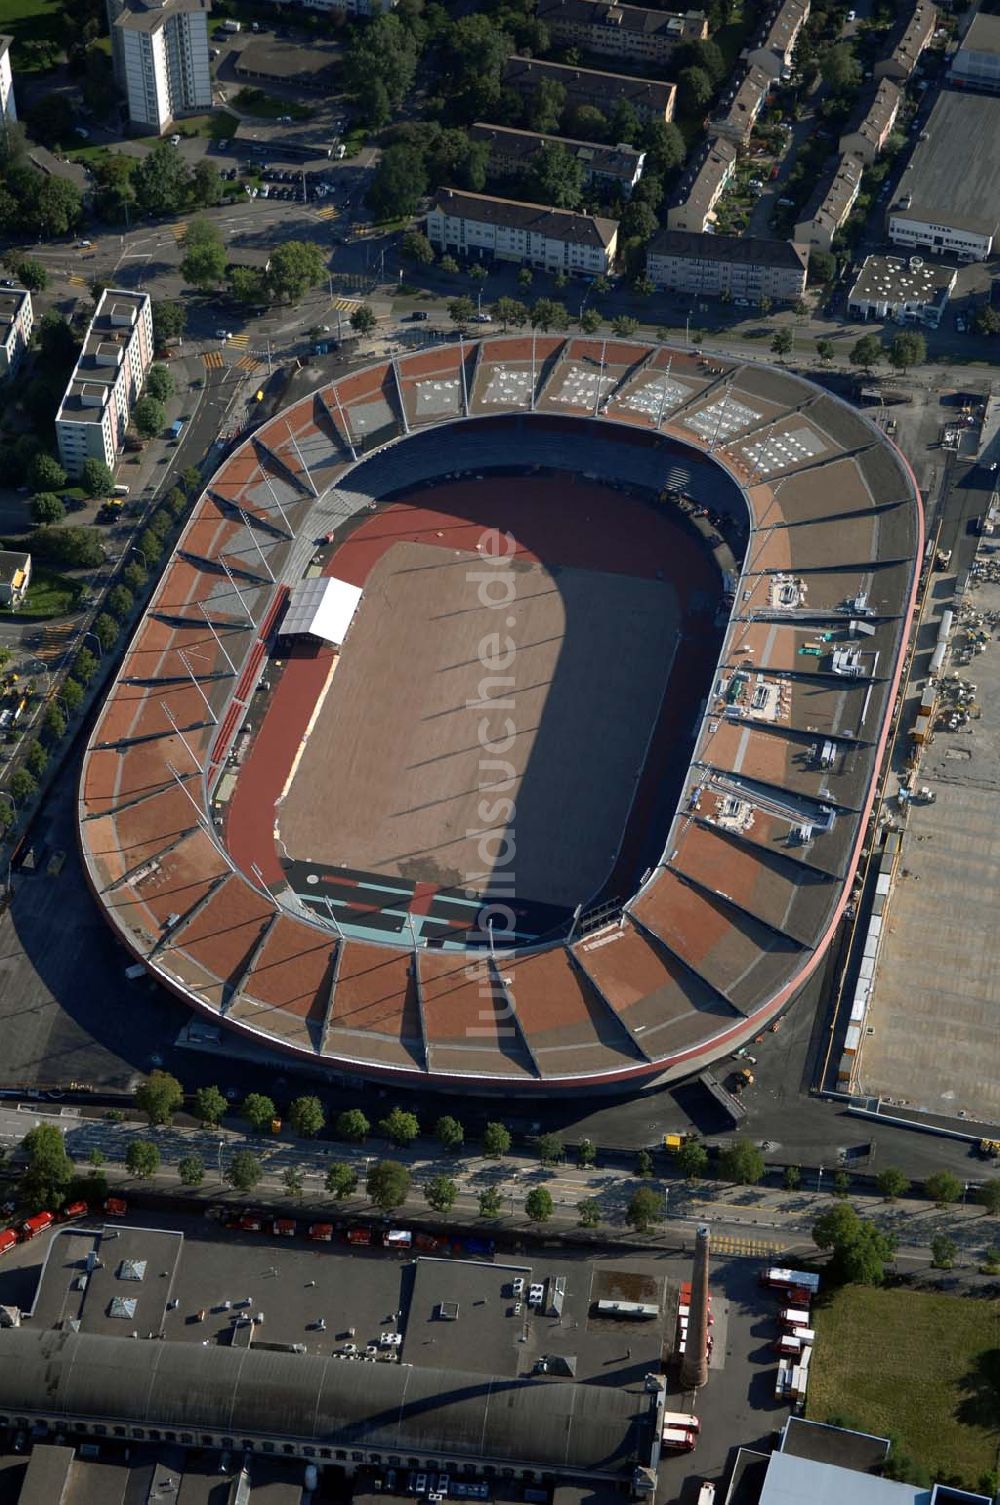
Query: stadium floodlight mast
pixel 664 382
pixel 173 722
pixel 461 369
pixel 343 419
pixel 600 380
pixel 191 674
pixel 333 918
pixel 301 459
pixel 534 336
pixel 399 393
pixel 255 870
pixel 274 497
pixel 229 576
pixel 219 643
pixel 256 543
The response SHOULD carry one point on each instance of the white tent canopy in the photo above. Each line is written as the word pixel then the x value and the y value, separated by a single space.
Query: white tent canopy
pixel 321 608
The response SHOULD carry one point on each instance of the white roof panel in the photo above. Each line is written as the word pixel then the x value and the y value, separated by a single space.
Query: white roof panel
pixel 322 608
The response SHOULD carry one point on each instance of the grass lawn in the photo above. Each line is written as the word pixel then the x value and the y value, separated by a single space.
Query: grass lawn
pixel 920 1367
pixel 219 125
pixel 49 595
pixel 33 21
pixel 266 107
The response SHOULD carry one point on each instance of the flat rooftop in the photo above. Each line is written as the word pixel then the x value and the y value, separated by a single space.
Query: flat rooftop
pixel 962 129
pixel 89 1273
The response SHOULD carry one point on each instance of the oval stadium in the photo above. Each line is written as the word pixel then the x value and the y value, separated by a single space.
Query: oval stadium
pixel 508 715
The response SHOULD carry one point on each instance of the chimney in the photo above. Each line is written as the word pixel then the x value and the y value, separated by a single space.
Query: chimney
pixel 694 1365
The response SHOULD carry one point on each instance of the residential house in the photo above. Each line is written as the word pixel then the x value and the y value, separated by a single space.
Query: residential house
pixel 512 152
pixel 716 266
pixel 866 135
pixel 830 205
pixel 107 380
pixel 702 187
pixel 651 99
pixel 630 32
pixel 480 227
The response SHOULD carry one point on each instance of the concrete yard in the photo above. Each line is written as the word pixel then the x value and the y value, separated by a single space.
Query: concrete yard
pixel 935 1021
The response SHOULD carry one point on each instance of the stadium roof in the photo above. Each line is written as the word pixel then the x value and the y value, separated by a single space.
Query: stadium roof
pixel 586 1429
pixel 757 864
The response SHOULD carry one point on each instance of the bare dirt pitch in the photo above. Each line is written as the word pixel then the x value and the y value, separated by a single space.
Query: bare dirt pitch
pixel 395 778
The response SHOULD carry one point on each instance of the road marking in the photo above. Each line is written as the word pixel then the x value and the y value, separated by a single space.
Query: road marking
pixel 241 341
pixel 725 1243
pixel 248 362
pixel 213 359
pixel 77 280
pixel 179 230
pixel 328 211
pixel 346 305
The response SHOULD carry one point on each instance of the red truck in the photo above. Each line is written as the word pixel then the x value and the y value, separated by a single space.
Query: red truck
pixel 32 1227
pixel 115 1207
pixel 427 1242
pixel 284 1227
pixel 249 1222
pixel 359 1235
pixel 320 1233
pixel 72 1212
pixel 8 1239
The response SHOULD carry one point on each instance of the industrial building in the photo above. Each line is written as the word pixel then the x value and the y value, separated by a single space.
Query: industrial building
pixel 905 290
pixel 160 54
pixel 107 380
pixel 716 266
pixel 702 186
pixel 651 99
pixel 947 200
pixel 477 225
pixel 8 110
pixel 621 31
pixel 976 64
pixel 512 152
pixel 16 322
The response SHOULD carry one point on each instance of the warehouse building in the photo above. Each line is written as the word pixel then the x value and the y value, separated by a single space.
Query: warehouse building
pixel 326 1408
pixel 716 266
pixel 651 99
pixel 480 226
pixel 976 64
pixel 621 31
pixel 947 201
pixel 513 151
pixel 910 291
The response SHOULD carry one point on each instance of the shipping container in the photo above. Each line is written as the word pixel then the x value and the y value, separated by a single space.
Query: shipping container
pixel 795 1316
pixel 320 1232
pixel 32 1227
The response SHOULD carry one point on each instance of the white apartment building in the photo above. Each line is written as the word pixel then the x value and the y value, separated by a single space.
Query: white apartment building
pixel 7 110
pixel 161 58
pixel 481 227
pixel 16 320
pixel 107 380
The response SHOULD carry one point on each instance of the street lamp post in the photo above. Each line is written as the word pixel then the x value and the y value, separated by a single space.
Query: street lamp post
pixel 100 651
pixel 221 1177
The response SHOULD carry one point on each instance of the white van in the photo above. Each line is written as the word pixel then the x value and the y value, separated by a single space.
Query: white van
pixel 119 491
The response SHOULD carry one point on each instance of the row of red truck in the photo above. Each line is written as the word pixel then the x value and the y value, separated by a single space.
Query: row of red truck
pixel 23 1233
pixel 359 1236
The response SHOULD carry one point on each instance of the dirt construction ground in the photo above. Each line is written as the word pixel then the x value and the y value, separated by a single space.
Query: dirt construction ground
pixel 562 670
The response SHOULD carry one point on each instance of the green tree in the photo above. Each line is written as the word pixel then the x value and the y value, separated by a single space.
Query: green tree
pixel 36 759
pixel 474 49
pixel 96 1158
pixel 826 350
pixel 441 1192
pixel 416 247
pixel 942 1187
pixel 120 601
pixel 341 1180
pixel 841 1183
pixel 496 1140
pixel 292 1181
pixel 353 1126
pixel 866 352
pixel 694 90
pixel 645 1209
pixel 548 314
pixel 54 723
pixel 306 1117
pixel 644 1164
pixel 259 1111
pixel 400 1127
pixel 490 1202
pixel 792 1178
pixel 159 384
pixel 944 1251
pixel 908 349
pixel 555 176
pixel 46 509
pixel 508 311
pixel 142 1159
pixel 45 474
pixel 460 312
pixel 624 326
pixel 388 1184
pixel 550 1148
pixel 546 105
pixel 665 148
pixel 891 1183
pixel 590 321
pixel 448 264
pixel 209 1106
pixel 525 276
pixel 22 785
pixel 55 208
pixel 822 267
pixel 96 478
pixel 691 1159
pixel 72 694
pixel 149 417
pixel 988 1196
pixel 638 221
pixel 589 1212
pixel 169 320
pixel 161 181
pixel 205 257
pixel 191 1169
pixel 32 275
pixel 248 284
pixel 398 184
pixel 538 1204
pixel 379 66
pixel 449 1132
pixel 47 1169
pixel 586 1153
pixel 296 266
pixel 243 1171
pixel 207 188
pixel 840 69
pixel 781 343
pixel 159 1097
pixel 859 1249
pixel 363 319
pixel 986 321
pixel 741 1162
pixel 106 630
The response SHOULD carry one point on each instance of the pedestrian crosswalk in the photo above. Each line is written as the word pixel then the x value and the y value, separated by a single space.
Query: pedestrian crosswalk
pixel 77 280
pixel 346 305
pixel 750 1247
pixel 179 230
pixel 55 640
pixel 249 362
pixel 241 341
pixel 328 211
pixel 213 359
